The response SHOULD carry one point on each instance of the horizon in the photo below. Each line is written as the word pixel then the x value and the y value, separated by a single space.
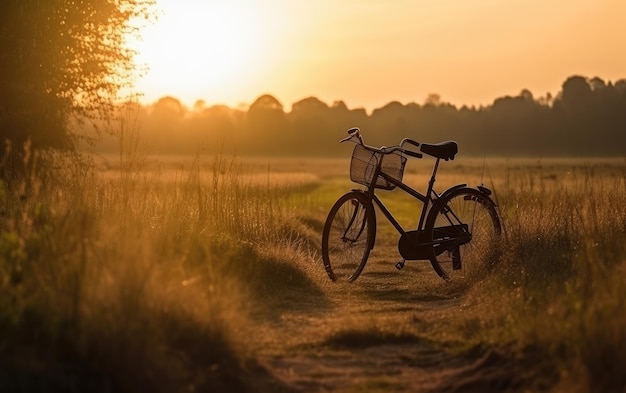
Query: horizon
pixel 368 54
pixel 287 106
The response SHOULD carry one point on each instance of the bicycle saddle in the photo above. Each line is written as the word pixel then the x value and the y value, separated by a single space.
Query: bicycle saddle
pixel 446 150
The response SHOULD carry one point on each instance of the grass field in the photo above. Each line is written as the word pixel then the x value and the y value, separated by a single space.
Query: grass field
pixel 166 274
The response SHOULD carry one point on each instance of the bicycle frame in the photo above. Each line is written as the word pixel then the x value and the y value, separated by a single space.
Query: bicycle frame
pixel 426 199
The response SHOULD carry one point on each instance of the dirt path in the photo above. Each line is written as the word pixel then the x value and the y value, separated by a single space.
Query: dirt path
pixel 375 335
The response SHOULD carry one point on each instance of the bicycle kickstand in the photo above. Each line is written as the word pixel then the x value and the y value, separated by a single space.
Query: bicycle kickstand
pixel 400 264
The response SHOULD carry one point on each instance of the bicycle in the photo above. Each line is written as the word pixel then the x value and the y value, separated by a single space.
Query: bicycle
pixel 455 231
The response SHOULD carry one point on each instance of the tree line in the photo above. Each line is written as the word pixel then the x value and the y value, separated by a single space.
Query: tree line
pixel 587 117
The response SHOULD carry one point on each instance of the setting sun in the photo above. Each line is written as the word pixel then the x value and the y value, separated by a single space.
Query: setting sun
pixel 199 49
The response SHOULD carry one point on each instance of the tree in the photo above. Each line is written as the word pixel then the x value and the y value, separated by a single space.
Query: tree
pixel 309 115
pixel 60 58
pixel 164 122
pixel 576 94
pixel 267 125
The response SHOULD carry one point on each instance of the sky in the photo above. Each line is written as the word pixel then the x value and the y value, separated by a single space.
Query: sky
pixel 368 53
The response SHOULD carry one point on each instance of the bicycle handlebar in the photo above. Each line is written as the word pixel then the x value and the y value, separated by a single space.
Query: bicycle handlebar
pixel 353 132
pixel 410 152
pixel 354 135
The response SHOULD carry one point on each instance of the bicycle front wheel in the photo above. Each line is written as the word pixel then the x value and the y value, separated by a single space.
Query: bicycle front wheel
pixel 348 236
pixel 465 232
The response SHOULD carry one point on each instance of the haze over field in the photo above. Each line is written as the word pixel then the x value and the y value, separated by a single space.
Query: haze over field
pixel 586 118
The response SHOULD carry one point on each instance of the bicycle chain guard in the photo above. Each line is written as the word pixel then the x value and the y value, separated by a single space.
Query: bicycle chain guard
pixel 412 245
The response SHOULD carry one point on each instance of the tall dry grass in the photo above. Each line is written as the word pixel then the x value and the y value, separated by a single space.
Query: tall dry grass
pixel 559 290
pixel 134 281
pixel 143 277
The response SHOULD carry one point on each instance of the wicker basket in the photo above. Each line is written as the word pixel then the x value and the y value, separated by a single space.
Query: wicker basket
pixel 363 165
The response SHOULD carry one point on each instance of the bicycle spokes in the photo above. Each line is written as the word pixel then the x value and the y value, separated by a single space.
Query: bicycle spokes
pixel 464 225
pixel 356 224
pixel 348 236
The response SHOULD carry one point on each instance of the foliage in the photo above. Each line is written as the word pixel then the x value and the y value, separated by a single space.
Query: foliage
pixel 61 58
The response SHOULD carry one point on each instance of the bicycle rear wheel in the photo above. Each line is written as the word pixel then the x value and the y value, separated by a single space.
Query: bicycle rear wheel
pixel 465 229
pixel 348 236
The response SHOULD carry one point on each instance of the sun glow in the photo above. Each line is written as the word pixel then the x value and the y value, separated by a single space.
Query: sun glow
pixel 368 53
pixel 200 49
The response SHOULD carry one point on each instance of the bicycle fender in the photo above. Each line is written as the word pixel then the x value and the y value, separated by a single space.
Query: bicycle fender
pixel 484 191
pixel 356 190
pixel 451 189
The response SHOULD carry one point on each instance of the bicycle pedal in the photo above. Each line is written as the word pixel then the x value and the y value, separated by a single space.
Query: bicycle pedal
pixel 400 265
